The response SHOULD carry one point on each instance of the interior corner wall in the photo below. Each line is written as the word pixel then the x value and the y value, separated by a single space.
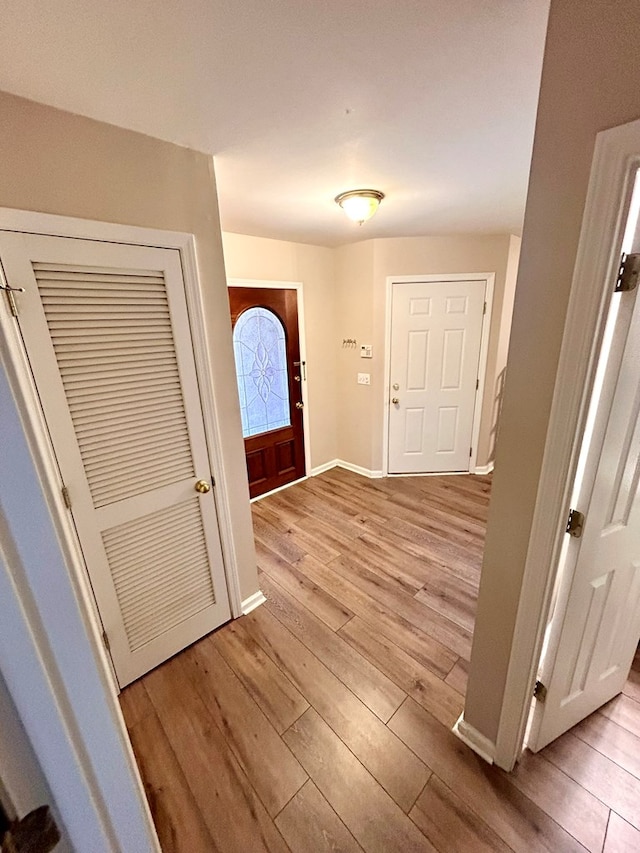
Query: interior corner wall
pixel 314 266
pixel 590 82
pixel 56 162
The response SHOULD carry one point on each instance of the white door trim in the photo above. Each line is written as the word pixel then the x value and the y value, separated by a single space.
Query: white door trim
pixel 61 226
pixel 298 286
pixel 489 279
pixel 616 158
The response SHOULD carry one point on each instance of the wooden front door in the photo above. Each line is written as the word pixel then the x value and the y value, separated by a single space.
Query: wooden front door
pixel 269 371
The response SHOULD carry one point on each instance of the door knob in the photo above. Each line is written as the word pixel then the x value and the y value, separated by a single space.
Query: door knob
pixel 396 387
pixel 299 405
pixel 395 400
pixel 202 487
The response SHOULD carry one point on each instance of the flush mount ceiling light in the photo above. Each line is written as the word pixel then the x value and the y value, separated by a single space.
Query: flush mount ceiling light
pixel 359 205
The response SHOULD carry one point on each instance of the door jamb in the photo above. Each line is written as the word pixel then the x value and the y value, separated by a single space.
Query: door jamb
pixel 489 279
pixel 298 286
pixel 616 159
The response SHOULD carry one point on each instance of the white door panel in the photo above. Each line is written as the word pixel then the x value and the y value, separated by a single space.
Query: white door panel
pixel 436 330
pixel 107 335
pixel 601 625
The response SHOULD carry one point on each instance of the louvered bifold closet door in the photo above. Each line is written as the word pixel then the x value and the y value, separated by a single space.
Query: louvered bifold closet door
pixel 107 334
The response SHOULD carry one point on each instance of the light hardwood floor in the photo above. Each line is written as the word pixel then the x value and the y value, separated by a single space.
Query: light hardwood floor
pixel 320 722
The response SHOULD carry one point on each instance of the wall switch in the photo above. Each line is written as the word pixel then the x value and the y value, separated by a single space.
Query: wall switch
pixel 366 351
pixel 364 379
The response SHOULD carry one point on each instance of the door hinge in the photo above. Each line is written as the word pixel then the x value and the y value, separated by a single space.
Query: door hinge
pixel 484 309
pixel 66 497
pixel 105 640
pixel 477 384
pixel 470 452
pixel 11 300
pixel 540 692
pixel 575 523
pixel 628 273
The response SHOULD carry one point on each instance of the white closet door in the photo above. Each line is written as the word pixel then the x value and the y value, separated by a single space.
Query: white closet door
pixel 107 335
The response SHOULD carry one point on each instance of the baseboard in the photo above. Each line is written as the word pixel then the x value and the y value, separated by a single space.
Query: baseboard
pixel 483 469
pixel 320 469
pixel 252 602
pixel 358 469
pixel 480 744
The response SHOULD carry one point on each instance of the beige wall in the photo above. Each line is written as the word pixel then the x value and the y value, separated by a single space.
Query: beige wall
pixel 363 269
pixel 313 266
pixel 590 82
pixel 55 162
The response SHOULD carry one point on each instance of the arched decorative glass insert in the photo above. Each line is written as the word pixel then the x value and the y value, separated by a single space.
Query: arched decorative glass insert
pixel 259 345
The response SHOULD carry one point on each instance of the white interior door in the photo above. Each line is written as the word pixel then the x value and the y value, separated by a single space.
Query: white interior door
pixel 600 626
pixel 436 332
pixel 107 335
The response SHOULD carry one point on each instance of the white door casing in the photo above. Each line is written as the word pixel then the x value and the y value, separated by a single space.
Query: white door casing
pixel 599 612
pixel 436 336
pixel 107 335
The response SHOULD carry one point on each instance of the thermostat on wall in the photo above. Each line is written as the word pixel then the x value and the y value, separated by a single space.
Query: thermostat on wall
pixel 366 351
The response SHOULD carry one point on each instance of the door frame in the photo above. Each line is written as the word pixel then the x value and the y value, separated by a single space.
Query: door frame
pixel 488 278
pixel 298 286
pixel 615 161
pixel 185 244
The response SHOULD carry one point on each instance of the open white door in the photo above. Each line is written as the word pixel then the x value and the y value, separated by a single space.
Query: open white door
pixel 106 332
pixel 596 631
pixel 436 332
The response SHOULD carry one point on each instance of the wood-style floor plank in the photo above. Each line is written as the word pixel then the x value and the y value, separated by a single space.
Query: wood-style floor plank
pixel 459 676
pixel 523 825
pixel 373 818
pixel 395 767
pixel 621 836
pixel 611 740
pixel 178 820
pixel 625 712
pixel 272 691
pixel 450 824
pixel 135 703
pixel 598 774
pixel 416 680
pixel 232 811
pixel 370 684
pixel 327 608
pixel 274 772
pixel 573 807
pixel 308 823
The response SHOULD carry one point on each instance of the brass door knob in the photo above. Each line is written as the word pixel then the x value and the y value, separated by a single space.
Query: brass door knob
pixel 395 400
pixel 299 405
pixel 203 487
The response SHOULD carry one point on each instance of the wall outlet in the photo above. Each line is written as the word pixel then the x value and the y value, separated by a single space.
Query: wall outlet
pixel 364 379
pixel 366 351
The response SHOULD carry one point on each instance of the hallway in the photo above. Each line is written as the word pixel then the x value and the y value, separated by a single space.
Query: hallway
pixel 320 722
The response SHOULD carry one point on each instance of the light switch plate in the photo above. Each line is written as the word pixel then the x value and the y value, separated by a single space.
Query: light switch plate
pixel 366 351
pixel 364 379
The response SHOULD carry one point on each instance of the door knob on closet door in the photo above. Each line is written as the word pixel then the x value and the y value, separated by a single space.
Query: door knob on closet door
pixel 395 400
pixel 202 487
pixel 299 405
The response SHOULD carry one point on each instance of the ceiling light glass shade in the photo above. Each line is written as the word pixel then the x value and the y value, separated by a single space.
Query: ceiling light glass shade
pixel 360 205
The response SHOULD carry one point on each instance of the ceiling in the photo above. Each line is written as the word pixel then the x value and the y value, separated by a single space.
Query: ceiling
pixel 431 101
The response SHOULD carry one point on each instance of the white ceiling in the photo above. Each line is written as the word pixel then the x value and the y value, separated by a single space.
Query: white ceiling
pixel 431 101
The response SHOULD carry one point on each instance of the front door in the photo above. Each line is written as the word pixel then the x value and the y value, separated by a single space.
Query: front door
pixel 107 336
pixel 270 374
pixel 436 332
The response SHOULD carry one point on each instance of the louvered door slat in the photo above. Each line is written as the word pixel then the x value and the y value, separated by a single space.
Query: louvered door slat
pixel 107 333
